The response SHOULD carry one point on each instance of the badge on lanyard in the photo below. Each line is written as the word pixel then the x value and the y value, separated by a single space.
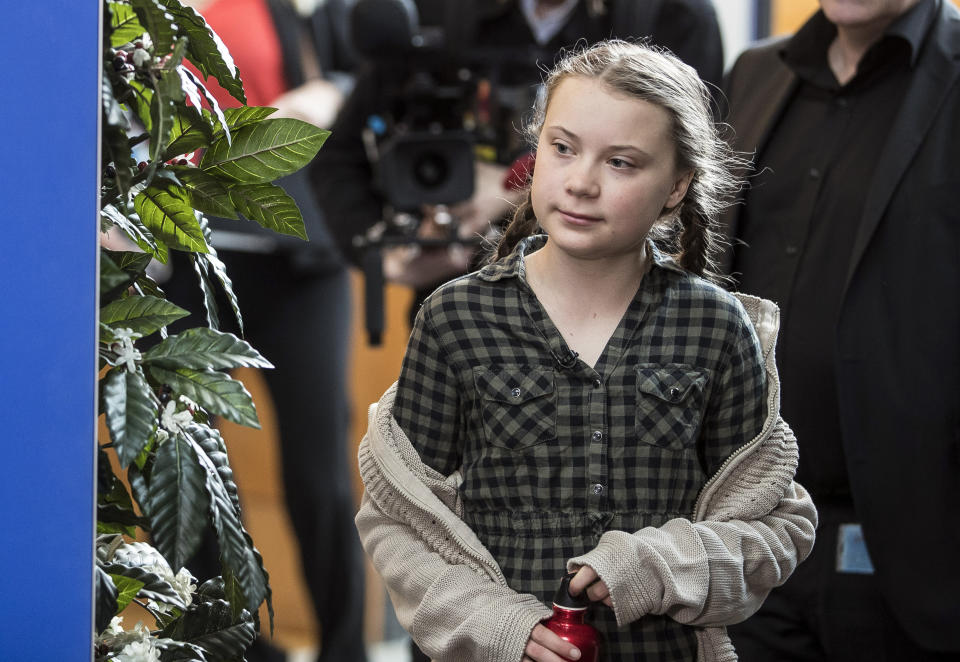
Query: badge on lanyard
pixel 852 554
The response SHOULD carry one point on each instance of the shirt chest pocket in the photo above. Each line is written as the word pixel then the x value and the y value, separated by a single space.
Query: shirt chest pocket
pixel 670 404
pixel 518 405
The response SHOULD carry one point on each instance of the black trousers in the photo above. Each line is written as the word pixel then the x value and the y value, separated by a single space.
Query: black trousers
pixel 300 321
pixel 820 615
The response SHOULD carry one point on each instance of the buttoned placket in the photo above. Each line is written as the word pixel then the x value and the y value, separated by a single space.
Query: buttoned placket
pixel 597 473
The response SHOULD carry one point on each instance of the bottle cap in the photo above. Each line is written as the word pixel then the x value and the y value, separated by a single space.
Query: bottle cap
pixel 563 599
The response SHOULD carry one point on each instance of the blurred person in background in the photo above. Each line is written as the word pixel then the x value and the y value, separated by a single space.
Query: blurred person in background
pixel 296 301
pixel 851 225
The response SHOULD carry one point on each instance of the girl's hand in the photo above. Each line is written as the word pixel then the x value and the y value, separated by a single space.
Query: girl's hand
pixel 545 646
pixel 588 579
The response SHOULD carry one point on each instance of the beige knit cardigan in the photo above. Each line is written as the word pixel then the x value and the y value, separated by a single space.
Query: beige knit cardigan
pixel 751 526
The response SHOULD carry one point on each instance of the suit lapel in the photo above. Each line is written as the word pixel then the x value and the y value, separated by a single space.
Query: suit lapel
pixel 933 78
pixel 774 83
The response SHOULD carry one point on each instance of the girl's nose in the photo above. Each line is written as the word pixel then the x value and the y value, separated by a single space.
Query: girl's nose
pixel 581 181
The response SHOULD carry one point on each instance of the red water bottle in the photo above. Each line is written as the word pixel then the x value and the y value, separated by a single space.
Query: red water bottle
pixel 568 621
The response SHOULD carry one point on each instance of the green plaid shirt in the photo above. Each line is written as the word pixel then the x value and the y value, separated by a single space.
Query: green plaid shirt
pixel 555 452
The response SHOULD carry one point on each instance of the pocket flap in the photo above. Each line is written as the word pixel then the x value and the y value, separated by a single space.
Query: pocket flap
pixel 513 385
pixel 670 383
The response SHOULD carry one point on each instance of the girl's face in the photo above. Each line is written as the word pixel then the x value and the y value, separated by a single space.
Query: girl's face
pixel 605 170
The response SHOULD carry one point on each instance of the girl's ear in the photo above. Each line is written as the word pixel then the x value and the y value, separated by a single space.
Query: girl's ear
pixel 680 187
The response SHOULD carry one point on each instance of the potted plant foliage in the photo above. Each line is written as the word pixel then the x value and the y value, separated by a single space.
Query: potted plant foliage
pixel 158 391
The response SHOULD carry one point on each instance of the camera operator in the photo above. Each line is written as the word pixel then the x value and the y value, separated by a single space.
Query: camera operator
pixel 492 49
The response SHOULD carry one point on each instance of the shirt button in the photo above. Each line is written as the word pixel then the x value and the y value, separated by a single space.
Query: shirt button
pixel 792 250
pixel 515 393
pixel 842 102
pixel 597 435
pixel 597 383
pixel 814 173
pixel 674 393
pixel 597 489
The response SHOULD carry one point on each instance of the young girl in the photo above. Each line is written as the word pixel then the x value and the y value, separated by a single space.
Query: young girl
pixel 589 401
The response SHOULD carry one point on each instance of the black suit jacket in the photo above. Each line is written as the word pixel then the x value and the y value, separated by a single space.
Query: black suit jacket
pixel 898 339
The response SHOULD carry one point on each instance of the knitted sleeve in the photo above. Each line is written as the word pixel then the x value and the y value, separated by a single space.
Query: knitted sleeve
pixel 717 571
pixel 447 590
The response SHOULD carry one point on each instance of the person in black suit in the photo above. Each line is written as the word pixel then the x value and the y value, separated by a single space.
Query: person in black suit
pixel 851 224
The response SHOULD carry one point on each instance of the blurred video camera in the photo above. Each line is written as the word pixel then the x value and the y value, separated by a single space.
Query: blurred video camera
pixel 446 105
pixel 442 105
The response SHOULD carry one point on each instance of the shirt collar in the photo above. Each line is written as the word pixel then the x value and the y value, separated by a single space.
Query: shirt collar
pixel 511 266
pixel 807 49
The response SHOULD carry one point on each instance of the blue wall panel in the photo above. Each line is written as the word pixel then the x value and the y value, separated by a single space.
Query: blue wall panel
pixel 48 186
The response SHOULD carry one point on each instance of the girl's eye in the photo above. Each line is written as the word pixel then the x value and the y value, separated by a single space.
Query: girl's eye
pixel 620 163
pixel 561 148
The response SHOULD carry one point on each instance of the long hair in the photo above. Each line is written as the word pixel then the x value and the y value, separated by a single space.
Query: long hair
pixel 687 231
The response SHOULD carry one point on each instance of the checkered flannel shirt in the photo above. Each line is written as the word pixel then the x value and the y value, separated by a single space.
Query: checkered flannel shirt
pixel 553 451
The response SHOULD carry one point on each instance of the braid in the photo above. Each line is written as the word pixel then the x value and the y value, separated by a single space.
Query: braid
pixel 522 225
pixel 693 245
pixel 698 245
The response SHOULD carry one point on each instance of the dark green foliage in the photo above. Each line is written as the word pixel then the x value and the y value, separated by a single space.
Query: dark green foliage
pixel 195 159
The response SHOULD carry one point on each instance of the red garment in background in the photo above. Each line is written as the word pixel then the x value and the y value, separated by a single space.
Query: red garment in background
pixel 247 29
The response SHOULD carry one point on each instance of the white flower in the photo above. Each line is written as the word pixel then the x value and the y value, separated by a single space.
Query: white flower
pixel 174 421
pixel 123 346
pixel 138 651
pixel 115 637
pixel 115 627
pixel 183 583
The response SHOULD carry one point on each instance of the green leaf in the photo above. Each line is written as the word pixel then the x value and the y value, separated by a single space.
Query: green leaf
pixel 202 268
pixel 112 110
pixel 115 510
pixel 106 605
pixel 192 84
pixel 228 643
pixel 191 130
pixel 205 349
pixel 142 102
pixel 206 50
pixel 119 270
pixel 236 551
pixel 178 501
pixel 132 262
pixel 270 206
pixel 167 213
pixel 172 650
pixel 238 117
pixel 124 24
pixel 128 589
pixel 216 392
pixel 264 151
pixel 152 585
pixel 130 411
pixel 144 314
pixel 211 625
pixel 211 442
pixel 136 231
pixel 158 22
pixel 207 193
pixel 163 110
pixel 192 127
pixel 115 150
pixel 113 279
